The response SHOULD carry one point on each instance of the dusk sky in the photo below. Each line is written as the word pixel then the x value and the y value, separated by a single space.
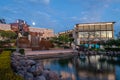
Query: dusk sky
pixel 61 15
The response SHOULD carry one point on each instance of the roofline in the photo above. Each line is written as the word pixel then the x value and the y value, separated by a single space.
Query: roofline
pixel 96 22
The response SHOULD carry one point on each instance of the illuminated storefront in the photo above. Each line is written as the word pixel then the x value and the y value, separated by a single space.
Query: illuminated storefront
pixel 94 32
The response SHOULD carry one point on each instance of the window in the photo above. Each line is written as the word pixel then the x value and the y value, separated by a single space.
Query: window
pixel 109 34
pixel 103 34
pixel 97 34
pixel 83 34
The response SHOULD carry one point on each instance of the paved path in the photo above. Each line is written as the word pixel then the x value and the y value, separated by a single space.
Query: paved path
pixel 30 52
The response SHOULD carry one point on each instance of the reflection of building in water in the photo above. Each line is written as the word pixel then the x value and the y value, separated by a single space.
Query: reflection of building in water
pixel 77 69
pixel 68 75
pixel 94 69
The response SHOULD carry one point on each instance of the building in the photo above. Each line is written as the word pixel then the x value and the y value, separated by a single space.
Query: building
pixel 20 26
pixel 93 32
pixel 42 32
pixel 5 26
pixel 68 32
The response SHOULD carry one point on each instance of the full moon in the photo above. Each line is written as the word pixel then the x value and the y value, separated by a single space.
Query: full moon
pixel 33 23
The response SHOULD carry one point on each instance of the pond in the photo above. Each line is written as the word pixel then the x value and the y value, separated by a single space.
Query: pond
pixel 88 68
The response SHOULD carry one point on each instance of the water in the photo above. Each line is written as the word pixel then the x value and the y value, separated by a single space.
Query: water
pixel 90 68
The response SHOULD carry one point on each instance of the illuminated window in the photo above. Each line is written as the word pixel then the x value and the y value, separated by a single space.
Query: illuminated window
pixel 97 34
pixel 109 34
pixel 103 34
pixel 83 34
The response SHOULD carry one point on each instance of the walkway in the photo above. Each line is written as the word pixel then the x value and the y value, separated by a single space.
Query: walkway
pixel 49 53
pixel 30 52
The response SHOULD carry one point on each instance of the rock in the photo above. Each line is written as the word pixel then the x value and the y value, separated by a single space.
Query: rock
pixel 53 76
pixel 30 62
pixel 36 70
pixel 40 64
pixel 28 76
pixel 15 66
pixel 26 58
pixel 17 58
pixel 40 78
pixel 16 54
pixel 22 62
pixel 21 73
pixel 31 69
pixel 46 74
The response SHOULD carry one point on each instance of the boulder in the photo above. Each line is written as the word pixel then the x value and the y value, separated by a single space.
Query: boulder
pixel 30 62
pixel 36 70
pixel 21 73
pixel 53 76
pixel 28 76
pixel 22 62
pixel 40 78
pixel 46 74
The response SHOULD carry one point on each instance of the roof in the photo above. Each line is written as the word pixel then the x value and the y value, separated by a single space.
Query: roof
pixel 96 23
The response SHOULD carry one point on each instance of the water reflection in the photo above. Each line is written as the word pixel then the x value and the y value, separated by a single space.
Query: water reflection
pixel 90 68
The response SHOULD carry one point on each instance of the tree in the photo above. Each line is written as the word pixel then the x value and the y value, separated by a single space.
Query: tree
pixel 2 21
pixel 64 40
pixel 118 35
pixel 90 37
pixel 7 34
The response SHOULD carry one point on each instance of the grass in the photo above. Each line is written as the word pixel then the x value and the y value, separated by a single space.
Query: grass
pixel 6 72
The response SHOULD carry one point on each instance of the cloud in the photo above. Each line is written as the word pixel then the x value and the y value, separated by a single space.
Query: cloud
pixel 46 2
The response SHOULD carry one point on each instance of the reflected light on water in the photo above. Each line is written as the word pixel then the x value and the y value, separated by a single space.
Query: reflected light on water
pixel 89 69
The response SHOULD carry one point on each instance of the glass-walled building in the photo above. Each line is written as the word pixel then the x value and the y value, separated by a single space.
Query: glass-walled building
pixel 94 32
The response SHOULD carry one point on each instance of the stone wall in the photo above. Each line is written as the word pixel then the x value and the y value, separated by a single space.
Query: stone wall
pixel 31 69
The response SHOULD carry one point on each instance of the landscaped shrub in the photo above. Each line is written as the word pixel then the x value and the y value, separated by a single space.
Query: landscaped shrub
pixel 6 72
pixel 112 49
pixel 21 51
pixel 10 49
pixel 66 47
pixel 1 50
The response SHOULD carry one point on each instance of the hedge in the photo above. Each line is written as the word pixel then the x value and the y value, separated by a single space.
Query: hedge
pixel 6 72
pixel 112 49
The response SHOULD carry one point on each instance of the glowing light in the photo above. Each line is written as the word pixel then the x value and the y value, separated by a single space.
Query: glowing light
pixel 33 23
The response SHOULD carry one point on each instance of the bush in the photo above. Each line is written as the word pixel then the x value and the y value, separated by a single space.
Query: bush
pixel 21 51
pixel 112 49
pixel 6 72
pixel 66 47
pixel 10 49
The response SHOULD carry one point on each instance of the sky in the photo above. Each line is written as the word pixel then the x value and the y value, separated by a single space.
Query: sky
pixel 61 15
